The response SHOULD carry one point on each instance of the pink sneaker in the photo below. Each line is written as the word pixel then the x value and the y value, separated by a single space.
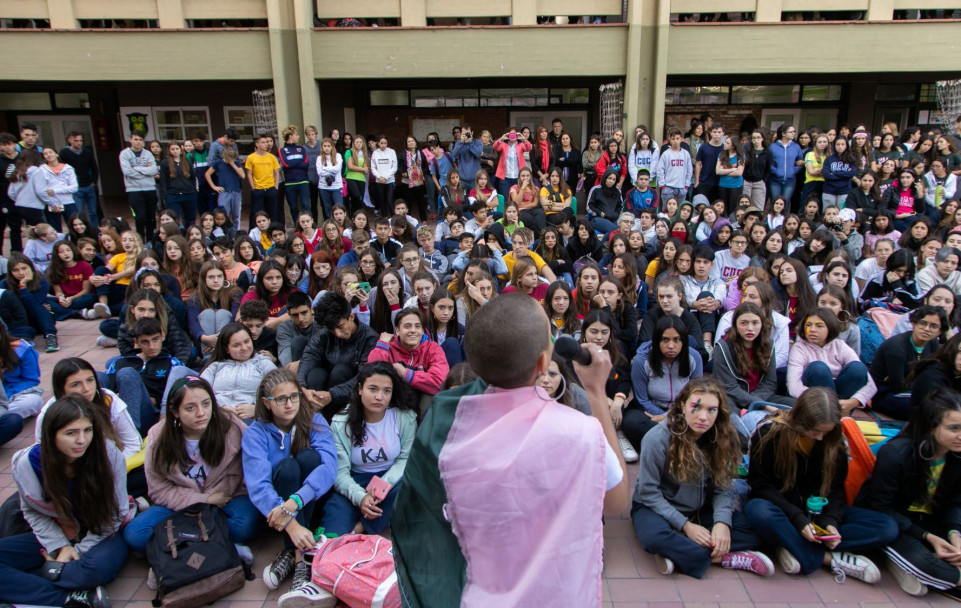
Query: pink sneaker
pixel 752 561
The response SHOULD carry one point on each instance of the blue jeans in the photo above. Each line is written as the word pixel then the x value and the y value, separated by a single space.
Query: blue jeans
pixel 288 477
pixel 10 427
pixel 56 219
pixel 115 292
pixel 340 515
pixel 243 519
pixel 231 201
pixel 853 377
pixel 40 318
pixel 777 188
pixel 602 225
pixel 298 199
pixel 184 205
pixel 504 187
pixel 130 388
pixel 85 198
pixel 20 558
pixel 329 198
pixel 668 192
pixel 61 313
pixel 860 531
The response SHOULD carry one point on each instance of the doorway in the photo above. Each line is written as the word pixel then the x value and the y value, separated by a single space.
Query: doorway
pixel 53 129
pixel 575 122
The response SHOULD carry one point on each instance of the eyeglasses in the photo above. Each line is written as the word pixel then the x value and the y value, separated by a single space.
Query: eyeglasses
pixel 409 260
pixel 367 262
pixel 926 325
pixel 293 398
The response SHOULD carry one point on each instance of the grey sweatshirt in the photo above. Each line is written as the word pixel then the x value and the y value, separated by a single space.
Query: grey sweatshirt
pixel 660 492
pixel 138 170
pixel 675 169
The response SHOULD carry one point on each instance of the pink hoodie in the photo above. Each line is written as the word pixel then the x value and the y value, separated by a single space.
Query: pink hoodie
pixel 835 354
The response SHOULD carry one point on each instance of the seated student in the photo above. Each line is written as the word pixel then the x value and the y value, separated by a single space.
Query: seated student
pixel 271 287
pixel 383 244
pixel 289 463
pixel 373 440
pixel 729 263
pixel 744 365
pixel 151 360
pixel 69 278
pixel 247 253
pixel 552 250
pixel 20 372
pixel 585 244
pixel 794 292
pixel 334 354
pixel 235 370
pixel 559 306
pixel 624 314
pixel 419 361
pixel 524 280
pixel 194 456
pixel 683 509
pixel 820 358
pixel 899 354
pixel 360 243
pixel 33 289
pixel 236 274
pixel 508 343
pixel 915 481
pixel 254 315
pixel 147 303
pixel 112 279
pixel 522 240
pixel 450 244
pixel 278 238
pixel 704 294
pixel 895 285
pixel 670 301
pixel 478 291
pixel 73 475
pixel 944 270
pixel 798 455
pixel 942 369
pixel 212 306
pixel 480 221
pixel 89 252
pixel 423 285
pixel 442 325
pixel 260 233
pixel 436 262
pixel 659 371
pixel 642 197
pixel 294 335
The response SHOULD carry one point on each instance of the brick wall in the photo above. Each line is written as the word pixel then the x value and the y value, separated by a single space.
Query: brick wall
pixel 731 117
pixel 395 123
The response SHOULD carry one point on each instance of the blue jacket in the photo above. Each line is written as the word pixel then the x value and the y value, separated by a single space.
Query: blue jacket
pixel 782 160
pixel 468 156
pixel 265 446
pixel 837 175
pixel 27 374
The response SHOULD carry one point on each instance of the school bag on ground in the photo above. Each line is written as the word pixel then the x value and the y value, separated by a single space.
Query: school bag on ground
pixel 193 559
pixel 359 570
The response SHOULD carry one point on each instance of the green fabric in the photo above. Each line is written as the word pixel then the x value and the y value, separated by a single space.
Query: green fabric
pixel 431 570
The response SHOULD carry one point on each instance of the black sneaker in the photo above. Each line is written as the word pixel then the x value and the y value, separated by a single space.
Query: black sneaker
pixel 52 344
pixel 301 575
pixel 280 569
pixel 88 598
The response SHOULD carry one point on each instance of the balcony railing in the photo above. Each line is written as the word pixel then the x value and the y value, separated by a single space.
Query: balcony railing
pixel 786 11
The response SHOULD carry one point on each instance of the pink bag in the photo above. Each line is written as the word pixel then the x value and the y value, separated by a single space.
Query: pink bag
pixel 359 570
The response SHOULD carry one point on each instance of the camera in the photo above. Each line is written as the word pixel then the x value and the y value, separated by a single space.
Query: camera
pixel 329 180
pixel 837 227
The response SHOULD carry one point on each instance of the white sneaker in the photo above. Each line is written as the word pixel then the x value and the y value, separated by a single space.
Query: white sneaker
pixel 788 562
pixel 664 565
pixel 151 580
pixel 105 342
pixel 844 564
pixel 102 310
pixel 89 314
pixel 307 596
pixel 908 583
pixel 630 455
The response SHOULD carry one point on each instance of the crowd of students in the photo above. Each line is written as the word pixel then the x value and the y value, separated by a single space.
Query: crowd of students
pixel 733 314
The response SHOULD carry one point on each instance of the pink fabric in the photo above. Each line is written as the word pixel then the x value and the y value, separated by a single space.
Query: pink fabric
pixel 885 319
pixel 525 483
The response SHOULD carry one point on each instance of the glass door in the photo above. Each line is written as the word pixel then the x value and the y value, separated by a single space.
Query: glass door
pixel 775 117
pixel 53 129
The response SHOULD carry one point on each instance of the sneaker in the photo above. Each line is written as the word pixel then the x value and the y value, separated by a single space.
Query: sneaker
pixel 844 564
pixel 101 310
pixel 246 555
pixel 709 348
pixel 788 562
pixel 151 580
pixel 280 569
pixel 908 583
pixel 142 503
pixel 664 565
pixel 105 342
pixel 301 575
pixel 751 561
pixel 307 596
pixel 87 598
pixel 89 314
pixel 630 454
pixel 52 344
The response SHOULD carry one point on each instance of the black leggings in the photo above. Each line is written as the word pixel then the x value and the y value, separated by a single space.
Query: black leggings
pixel 355 194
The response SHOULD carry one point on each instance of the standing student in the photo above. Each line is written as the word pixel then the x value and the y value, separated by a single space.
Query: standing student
pixel 383 167
pixel 73 494
pixel 674 168
pixel 798 455
pixel 178 183
pixel 915 481
pixel 229 172
pixel 84 163
pixel 330 183
pixel 729 169
pixel 705 163
pixel 140 174
pixel 194 456
pixel 59 185
pixel 296 165
pixel 757 165
pixel 683 510
pixel 263 175
pixel 289 462
pixel 373 439
pixel 787 159
pixel 838 170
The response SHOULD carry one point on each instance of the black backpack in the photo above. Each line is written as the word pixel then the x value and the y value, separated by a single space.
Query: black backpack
pixel 193 559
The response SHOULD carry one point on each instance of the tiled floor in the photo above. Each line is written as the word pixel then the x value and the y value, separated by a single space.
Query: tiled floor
pixel 630 580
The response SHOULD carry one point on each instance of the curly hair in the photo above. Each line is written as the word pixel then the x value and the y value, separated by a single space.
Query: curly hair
pixel 717 451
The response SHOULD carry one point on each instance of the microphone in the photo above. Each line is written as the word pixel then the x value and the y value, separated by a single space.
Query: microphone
pixel 568 348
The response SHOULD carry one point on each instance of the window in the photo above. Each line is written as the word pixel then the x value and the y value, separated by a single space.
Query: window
pixel 896 92
pixel 181 123
pixel 821 92
pixel 71 100
pixel 444 98
pixel 242 119
pixel 389 98
pixel 25 101
pixel 766 94
pixel 676 96
pixel 570 96
pixel 929 93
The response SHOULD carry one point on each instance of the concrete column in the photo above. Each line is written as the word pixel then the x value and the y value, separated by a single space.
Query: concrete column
pixel 285 64
pixel 768 11
pixel 309 91
pixel 523 12
pixel 881 10
pixel 62 16
pixel 170 14
pixel 647 40
pixel 413 13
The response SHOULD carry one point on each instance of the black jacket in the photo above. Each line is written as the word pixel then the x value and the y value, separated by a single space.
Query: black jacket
pixel 891 363
pixel 756 167
pixel 890 489
pixel 84 164
pixel 177 184
pixel 403 168
pixel 871 206
pixel 176 341
pixel 929 375
pixel 654 314
pixel 892 200
pixel 326 350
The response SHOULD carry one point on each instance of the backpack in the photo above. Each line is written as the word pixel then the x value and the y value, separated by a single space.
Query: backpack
pixel 359 570
pixel 193 559
pixel 871 338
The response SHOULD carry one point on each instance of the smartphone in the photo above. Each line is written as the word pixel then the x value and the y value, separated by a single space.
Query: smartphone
pixel 364 287
pixel 822 534
pixel 378 488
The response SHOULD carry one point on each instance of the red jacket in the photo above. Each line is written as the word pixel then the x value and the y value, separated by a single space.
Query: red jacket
pixel 501 147
pixel 605 161
pixel 426 365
